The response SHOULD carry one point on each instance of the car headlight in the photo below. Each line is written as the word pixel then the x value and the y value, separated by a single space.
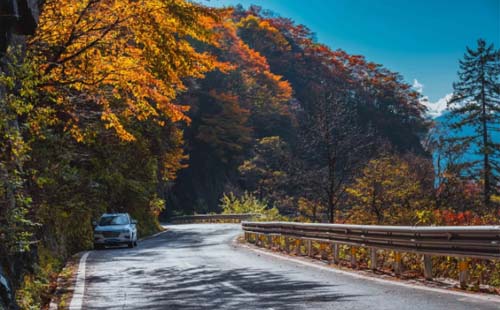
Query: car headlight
pixel 125 231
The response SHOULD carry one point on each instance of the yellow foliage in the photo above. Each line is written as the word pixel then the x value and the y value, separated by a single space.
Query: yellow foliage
pixel 387 192
pixel 310 211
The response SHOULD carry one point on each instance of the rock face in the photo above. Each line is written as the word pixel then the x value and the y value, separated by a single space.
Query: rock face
pixel 5 290
pixel 17 17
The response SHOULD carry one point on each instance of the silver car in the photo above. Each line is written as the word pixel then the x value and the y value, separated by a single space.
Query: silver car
pixel 115 229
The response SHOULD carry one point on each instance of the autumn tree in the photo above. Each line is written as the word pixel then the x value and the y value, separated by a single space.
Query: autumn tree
pixel 382 101
pixel 344 105
pixel 386 192
pixel 453 184
pixel 333 145
pixel 114 59
pixel 268 173
pixel 110 76
pixel 310 210
pixel 229 111
pixel 476 103
pixel 91 119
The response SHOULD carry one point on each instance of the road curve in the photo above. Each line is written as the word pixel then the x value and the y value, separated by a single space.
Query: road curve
pixel 196 267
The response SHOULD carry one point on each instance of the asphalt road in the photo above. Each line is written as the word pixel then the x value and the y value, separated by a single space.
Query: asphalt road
pixel 196 267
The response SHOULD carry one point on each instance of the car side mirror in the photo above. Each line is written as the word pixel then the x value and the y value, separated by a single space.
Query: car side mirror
pixel 134 222
pixel 94 223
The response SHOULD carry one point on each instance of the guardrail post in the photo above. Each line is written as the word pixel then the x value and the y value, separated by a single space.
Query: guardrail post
pixel 373 258
pixel 330 246
pixel 323 253
pixel 336 250
pixel 259 240
pixel 311 236
pixel 297 246
pixel 463 267
pixel 287 244
pixel 397 263
pixel 428 267
pixel 309 248
pixel 353 257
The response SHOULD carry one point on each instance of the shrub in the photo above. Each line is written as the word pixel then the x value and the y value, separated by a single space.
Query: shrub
pixel 248 203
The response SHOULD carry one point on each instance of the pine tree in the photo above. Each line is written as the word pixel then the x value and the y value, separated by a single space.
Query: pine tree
pixel 476 103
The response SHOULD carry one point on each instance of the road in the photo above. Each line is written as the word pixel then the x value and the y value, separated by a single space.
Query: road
pixel 197 267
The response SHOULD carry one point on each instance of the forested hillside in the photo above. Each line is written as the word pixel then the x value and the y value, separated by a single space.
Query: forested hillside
pixel 167 107
pixel 291 88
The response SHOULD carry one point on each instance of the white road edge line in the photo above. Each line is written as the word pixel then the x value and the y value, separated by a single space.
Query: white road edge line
pixel 360 276
pixel 78 293
pixel 155 235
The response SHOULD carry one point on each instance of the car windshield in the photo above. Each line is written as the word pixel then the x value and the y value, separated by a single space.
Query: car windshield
pixel 113 220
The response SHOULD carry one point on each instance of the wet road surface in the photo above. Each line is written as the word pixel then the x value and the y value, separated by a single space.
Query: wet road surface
pixel 197 267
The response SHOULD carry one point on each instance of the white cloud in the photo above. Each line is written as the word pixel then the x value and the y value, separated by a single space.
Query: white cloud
pixel 418 86
pixel 435 109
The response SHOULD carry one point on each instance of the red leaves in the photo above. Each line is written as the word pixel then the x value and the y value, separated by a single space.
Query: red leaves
pixel 452 218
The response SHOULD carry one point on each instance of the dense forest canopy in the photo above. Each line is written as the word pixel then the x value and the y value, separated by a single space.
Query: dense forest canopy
pixel 168 107
pixel 366 98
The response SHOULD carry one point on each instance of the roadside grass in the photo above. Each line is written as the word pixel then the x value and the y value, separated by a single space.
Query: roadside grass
pixel 65 284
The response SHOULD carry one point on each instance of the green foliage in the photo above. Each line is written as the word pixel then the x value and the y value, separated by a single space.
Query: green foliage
pixel 248 203
pixel 225 130
pixel 37 287
pixel 17 93
pixel 476 103
pixel 266 174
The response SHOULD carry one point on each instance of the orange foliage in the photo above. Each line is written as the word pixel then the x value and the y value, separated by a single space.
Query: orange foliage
pixel 124 59
pixel 448 217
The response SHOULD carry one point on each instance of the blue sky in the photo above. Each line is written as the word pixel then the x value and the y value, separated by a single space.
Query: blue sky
pixel 422 40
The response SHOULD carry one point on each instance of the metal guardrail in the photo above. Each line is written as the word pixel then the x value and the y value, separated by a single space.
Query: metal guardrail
pixel 458 241
pixel 213 218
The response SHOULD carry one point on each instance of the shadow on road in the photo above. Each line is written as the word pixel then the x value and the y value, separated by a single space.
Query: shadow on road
pixel 206 288
pixel 209 285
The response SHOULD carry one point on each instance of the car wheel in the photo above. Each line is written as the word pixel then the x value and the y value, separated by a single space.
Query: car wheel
pixel 98 246
pixel 135 243
pixel 130 244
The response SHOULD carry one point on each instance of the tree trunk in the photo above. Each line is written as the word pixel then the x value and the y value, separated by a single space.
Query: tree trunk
pixel 486 159
pixel 331 189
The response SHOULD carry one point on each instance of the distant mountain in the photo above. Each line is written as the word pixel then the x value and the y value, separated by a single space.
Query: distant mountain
pixel 443 122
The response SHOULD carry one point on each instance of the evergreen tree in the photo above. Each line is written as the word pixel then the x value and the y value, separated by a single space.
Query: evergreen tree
pixel 476 103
